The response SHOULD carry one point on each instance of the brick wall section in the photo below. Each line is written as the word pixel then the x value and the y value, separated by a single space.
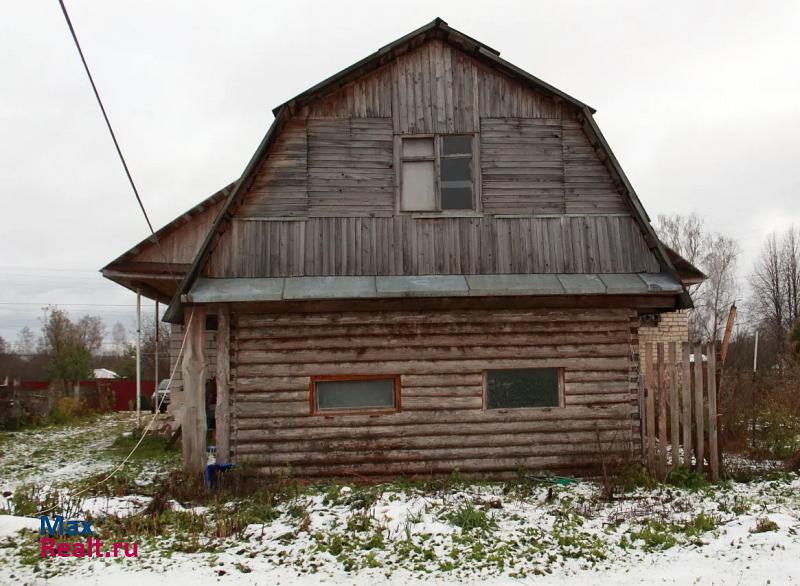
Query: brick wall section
pixel 672 327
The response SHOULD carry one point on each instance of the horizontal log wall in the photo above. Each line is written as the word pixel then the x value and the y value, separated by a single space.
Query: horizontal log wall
pixel 404 245
pixel 440 357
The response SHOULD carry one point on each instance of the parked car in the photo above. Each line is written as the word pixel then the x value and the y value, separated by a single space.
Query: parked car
pixel 162 396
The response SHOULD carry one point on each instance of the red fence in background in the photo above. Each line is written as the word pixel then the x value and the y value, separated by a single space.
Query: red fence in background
pixel 125 392
pixel 122 391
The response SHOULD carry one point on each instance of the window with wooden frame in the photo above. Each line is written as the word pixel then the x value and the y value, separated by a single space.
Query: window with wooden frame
pixel 437 173
pixel 331 395
pixel 524 387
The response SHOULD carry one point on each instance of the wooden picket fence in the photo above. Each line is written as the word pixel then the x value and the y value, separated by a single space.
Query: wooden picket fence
pixel 680 407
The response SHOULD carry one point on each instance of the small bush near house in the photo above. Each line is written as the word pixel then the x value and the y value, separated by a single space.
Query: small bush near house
pixel 69 410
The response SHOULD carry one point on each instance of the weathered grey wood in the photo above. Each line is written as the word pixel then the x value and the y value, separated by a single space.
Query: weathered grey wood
pixel 686 391
pixel 699 408
pixel 713 451
pixel 408 245
pixel 662 410
pixel 222 412
pixel 441 386
pixel 674 405
pixel 193 421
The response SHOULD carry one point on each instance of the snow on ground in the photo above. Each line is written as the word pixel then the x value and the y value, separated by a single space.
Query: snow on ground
pixel 447 533
pixel 57 454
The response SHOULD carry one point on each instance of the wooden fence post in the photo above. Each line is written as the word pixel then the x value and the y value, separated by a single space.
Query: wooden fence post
pixel 686 387
pixel 713 453
pixel 698 406
pixel 662 413
pixel 223 413
pixel 650 407
pixel 193 426
pixel 674 406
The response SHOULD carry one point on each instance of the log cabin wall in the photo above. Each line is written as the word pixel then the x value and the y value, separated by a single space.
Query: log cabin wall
pixel 441 358
pixel 334 171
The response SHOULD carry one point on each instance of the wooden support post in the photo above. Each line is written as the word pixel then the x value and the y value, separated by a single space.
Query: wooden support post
pixel 138 358
pixel 223 413
pixel 674 406
pixel 686 388
pixel 698 406
pixel 193 368
pixel 713 453
pixel 662 413
pixel 650 406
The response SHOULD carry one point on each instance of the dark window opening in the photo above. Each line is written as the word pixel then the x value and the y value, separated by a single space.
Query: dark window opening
pixel 524 387
pixel 357 394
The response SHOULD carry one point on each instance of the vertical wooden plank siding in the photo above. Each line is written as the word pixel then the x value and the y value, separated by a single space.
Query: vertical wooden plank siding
pixel 674 405
pixel 713 452
pixel 222 413
pixel 686 418
pixel 441 357
pixel 193 424
pixel 650 406
pixel 662 411
pixel 406 245
pixel 698 406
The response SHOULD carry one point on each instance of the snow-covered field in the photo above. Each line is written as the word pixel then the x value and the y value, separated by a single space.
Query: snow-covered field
pixel 437 533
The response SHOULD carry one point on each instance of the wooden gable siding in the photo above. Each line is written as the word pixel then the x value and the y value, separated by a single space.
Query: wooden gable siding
pixel 441 358
pixel 588 186
pixel 350 170
pixel 280 188
pixel 404 245
pixel 181 245
pixel 522 166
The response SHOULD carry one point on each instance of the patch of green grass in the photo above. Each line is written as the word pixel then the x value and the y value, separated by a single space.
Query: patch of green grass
pixel 152 448
pixel 470 518
pixel 685 477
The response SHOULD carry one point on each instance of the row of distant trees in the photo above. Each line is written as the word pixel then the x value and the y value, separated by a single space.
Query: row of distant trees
pixel 771 303
pixel 65 351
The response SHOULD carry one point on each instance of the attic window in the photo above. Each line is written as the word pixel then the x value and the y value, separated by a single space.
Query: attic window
pixel 437 173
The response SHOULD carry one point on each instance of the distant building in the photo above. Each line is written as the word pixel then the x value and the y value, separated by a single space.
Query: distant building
pixel 104 373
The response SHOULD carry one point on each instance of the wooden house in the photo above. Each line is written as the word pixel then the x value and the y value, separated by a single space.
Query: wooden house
pixel 433 261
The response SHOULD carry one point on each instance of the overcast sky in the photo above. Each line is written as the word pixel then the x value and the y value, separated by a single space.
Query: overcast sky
pixel 700 102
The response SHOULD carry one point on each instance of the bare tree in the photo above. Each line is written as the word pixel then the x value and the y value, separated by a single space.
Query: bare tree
pixel 685 234
pixel 775 283
pixel 2 345
pixel 119 336
pixel 716 255
pixel 719 291
pixel 768 302
pixel 26 342
pixel 91 331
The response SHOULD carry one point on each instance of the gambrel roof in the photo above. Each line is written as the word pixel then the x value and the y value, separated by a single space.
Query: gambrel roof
pixel 488 58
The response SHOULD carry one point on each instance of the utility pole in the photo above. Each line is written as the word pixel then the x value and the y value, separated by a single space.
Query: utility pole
pixel 755 355
pixel 155 368
pixel 138 358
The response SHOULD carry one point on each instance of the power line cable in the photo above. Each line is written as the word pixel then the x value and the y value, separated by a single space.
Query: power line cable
pixel 105 116
pixel 113 136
